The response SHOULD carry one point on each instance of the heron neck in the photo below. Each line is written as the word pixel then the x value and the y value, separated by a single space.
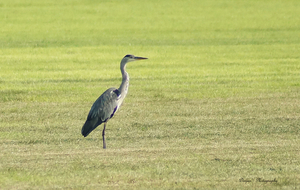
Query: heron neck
pixel 125 80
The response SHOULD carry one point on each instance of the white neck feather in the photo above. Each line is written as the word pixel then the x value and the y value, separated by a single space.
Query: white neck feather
pixel 125 81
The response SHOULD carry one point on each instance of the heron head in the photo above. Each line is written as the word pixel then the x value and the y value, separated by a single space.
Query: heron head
pixel 130 58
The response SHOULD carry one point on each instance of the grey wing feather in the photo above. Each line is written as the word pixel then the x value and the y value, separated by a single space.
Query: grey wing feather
pixel 102 110
pixel 104 106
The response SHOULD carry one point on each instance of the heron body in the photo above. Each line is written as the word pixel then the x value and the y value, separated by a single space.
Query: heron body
pixel 109 102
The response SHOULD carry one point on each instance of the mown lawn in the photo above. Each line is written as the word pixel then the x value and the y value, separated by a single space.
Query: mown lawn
pixel 216 105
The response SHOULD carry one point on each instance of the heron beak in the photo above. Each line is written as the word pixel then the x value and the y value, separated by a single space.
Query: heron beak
pixel 139 58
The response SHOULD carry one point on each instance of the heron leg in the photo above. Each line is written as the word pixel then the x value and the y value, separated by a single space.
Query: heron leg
pixel 103 136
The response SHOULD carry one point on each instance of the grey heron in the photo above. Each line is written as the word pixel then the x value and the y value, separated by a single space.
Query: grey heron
pixel 109 102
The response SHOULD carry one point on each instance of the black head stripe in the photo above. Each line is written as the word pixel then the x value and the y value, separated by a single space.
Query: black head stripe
pixel 129 56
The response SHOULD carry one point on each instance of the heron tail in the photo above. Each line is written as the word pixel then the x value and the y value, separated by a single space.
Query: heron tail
pixel 89 126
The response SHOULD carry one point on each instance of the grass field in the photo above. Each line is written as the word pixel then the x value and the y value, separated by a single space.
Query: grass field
pixel 216 105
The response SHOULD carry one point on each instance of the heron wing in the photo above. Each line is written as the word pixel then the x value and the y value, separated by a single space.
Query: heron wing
pixel 102 110
pixel 105 105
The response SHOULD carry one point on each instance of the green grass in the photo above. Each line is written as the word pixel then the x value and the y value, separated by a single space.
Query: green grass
pixel 216 105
